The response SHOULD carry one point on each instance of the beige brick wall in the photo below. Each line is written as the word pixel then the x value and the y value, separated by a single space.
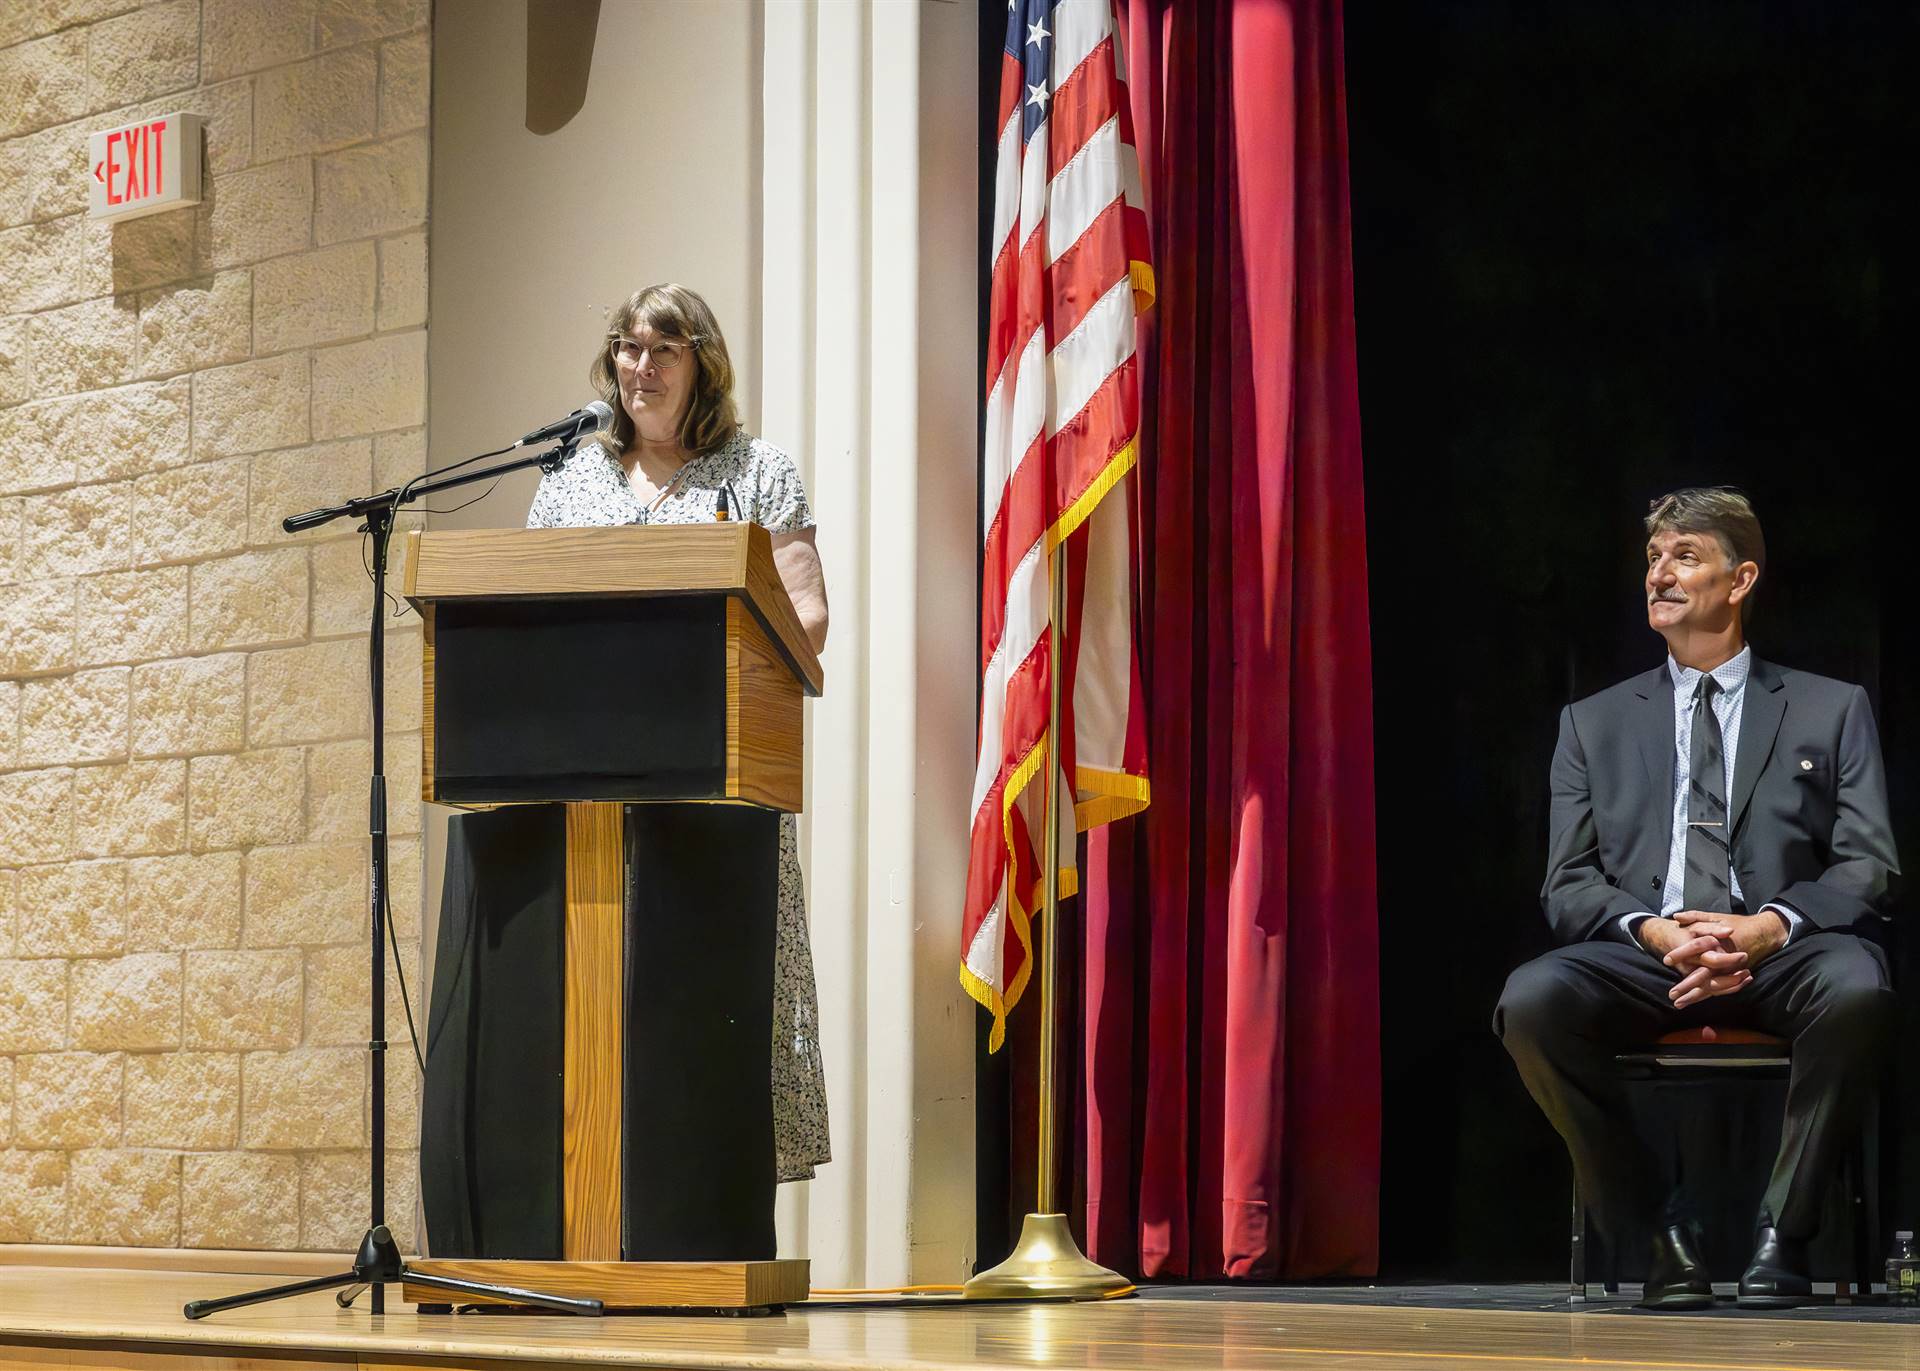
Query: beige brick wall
pixel 183 720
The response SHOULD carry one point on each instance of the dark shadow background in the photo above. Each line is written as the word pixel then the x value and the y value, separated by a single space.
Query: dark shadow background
pixel 1601 250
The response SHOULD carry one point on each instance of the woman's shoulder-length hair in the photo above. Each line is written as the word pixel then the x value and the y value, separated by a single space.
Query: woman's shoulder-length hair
pixel 673 311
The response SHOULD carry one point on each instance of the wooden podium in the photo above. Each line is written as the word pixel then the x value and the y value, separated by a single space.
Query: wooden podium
pixel 602 667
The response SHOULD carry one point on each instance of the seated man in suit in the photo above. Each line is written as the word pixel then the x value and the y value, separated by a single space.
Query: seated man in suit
pixel 1719 846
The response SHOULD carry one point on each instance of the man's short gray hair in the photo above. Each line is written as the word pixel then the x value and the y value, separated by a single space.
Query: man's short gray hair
pixel 1723 511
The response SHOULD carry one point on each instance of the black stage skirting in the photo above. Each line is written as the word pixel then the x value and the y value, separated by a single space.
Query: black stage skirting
pixel 697 1113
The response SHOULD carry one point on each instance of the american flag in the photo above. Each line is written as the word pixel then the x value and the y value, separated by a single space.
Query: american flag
pixel 1070 275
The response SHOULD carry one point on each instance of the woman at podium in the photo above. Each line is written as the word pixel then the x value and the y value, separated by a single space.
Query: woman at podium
pixel 675 449
pixel 674 454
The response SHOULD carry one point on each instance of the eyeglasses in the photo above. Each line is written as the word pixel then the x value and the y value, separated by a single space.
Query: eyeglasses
pixel 666 356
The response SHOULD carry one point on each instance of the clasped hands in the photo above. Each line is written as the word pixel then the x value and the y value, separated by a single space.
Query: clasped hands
pixel 1715 954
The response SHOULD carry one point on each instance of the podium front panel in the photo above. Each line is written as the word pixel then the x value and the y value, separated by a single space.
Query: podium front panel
pixel 702 903
pixel 491 1143
pixel 674 1160
pixel 580 699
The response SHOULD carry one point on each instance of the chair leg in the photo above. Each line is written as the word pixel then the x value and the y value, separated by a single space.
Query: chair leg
pixel 1578 1274
pixel 1845 1288
pixel 1863 1197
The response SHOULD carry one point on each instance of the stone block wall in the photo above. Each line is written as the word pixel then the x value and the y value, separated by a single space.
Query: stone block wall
pixel 183 713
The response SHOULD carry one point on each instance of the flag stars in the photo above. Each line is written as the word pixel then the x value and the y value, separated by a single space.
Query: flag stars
pixel 1037 95
pixel 1038 34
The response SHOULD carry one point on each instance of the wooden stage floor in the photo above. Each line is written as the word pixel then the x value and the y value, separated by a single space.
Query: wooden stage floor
pixel 80 1319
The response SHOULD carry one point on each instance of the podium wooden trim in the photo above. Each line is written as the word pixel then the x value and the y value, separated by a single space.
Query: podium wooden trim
pixel 590 1138
pixel 764 718
pixel 630 1285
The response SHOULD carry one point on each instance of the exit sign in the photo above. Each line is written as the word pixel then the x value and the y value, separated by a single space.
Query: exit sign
pixel 144 168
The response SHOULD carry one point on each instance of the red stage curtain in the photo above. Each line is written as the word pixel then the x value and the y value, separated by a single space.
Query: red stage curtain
pixel 1231 1078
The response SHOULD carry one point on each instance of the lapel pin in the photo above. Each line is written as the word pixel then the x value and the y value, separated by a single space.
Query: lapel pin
pixel 1806 764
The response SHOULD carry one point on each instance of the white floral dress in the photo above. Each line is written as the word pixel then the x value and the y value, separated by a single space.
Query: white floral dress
pixel 591 489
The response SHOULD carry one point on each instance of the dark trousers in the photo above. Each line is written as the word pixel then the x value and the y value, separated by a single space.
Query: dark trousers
pixel 1564 1016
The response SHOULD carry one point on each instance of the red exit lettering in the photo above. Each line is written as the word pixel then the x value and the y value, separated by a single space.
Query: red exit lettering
pixel 139 153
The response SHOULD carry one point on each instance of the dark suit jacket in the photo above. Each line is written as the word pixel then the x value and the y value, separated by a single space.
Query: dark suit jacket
pixel 1809 804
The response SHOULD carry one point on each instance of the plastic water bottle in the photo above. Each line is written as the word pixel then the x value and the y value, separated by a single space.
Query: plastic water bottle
pixel 1903 1270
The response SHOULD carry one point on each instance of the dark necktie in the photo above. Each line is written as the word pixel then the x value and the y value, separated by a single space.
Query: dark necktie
pixel 1707 885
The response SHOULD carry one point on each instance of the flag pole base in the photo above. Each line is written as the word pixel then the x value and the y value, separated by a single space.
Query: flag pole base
pixel 1047 1264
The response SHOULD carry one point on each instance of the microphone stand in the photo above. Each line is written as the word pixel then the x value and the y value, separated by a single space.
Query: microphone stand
pixel 378 1262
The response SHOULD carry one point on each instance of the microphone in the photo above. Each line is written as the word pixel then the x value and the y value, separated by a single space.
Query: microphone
pixel 597 415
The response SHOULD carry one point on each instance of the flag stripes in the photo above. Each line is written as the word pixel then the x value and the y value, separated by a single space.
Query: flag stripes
pixel 1069 276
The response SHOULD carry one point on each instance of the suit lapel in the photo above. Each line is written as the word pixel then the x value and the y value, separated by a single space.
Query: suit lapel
pixel 1653 729
pixel 1759 726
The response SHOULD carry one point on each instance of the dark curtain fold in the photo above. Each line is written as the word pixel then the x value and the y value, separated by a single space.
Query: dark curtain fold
pixel 1230 1080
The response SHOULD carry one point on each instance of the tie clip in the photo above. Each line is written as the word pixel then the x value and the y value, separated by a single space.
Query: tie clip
pixel 1705 823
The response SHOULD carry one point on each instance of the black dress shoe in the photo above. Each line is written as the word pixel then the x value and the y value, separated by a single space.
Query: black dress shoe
pixel 1676 1277
pixel 1777 1276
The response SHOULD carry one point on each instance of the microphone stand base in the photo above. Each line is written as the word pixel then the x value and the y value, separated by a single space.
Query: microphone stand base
pixel 378 1264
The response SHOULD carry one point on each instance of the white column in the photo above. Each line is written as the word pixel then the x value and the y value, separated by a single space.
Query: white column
pixel 892 534
pixel 837 840
pixel 946 627
pixel 869 186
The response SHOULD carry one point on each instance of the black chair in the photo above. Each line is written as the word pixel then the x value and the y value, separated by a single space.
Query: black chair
pixel 1710 1053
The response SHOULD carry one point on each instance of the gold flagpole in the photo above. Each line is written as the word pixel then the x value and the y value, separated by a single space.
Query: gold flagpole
pixel 1047 1262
